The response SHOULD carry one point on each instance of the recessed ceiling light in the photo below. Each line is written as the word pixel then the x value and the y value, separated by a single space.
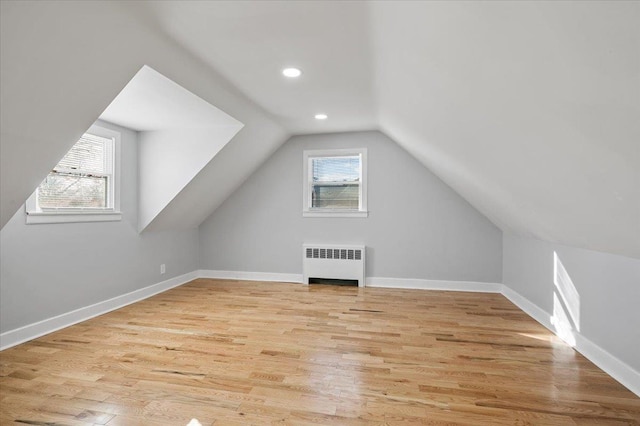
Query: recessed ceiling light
pixel 291 72
pixel 321 116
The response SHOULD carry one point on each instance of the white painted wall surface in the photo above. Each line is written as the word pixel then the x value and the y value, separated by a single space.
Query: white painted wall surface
pixel 51 269
pixel 170 159
pixel 417 226
pixel 607 285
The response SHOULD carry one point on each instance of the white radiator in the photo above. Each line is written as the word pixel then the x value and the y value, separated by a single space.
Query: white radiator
pixel 336 262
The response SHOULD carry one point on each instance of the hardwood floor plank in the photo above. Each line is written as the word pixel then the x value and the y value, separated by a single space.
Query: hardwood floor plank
pixel 234 352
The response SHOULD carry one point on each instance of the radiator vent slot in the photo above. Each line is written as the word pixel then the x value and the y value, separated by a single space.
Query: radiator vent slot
pixel 333 262
pixel 328 253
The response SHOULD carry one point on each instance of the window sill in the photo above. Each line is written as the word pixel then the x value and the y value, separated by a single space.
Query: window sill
pixel 34 218
pixel 334 213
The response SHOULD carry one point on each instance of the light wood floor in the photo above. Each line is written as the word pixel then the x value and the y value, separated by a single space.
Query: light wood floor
pixel 229 352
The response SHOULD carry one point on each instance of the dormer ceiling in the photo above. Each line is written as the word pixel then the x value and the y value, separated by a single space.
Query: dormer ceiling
pixel 530 110
pixel 179 133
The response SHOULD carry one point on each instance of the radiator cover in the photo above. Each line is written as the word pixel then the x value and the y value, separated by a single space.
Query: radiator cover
pixel 333 261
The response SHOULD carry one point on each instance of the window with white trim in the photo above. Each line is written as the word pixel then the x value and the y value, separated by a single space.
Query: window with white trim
pixel 84 185
pixel 335 183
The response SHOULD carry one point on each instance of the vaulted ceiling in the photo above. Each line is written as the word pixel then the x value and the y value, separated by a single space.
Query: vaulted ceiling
pixel 530 110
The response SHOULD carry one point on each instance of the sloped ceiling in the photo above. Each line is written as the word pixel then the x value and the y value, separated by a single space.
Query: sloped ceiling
pixel 530 110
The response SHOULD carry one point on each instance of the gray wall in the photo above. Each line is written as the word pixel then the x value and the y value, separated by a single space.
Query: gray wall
pixel 608 286
pixel 50 269
pixel 417 226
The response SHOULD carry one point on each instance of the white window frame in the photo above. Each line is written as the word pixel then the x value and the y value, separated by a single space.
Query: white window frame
pixel 308 156
pixel 37 215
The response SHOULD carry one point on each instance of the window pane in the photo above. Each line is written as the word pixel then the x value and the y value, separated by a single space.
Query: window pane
pixel 336 196
pixel 88 155
pixel 72 191
pixel 336 169
pixel 336 182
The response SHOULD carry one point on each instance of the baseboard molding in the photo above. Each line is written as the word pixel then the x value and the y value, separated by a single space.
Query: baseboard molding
pixel 40 328
pixel 250 276
pixel 611 365
pixel 407 283
pixel 420 284
pixel 529 308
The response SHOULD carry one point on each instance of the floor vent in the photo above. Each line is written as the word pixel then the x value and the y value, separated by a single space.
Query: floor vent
pixel 327 281
pixel 333 262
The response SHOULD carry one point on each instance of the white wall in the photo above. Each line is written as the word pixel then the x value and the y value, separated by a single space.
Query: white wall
pixel 607 285
pixel 170 159
pixel 417 226
pixel 51 269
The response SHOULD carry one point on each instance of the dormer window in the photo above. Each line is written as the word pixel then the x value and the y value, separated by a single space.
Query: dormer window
pixel 82 187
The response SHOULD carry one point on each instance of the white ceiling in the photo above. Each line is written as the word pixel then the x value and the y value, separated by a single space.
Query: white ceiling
pixel 249 43
pixel 151 101
pixel 530 110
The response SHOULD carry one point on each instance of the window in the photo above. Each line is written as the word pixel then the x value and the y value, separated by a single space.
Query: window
pixel 335 183
pixel 83 186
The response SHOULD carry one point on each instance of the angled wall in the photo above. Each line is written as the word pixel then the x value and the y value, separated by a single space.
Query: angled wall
pixel 170 159
pixel 589 298
pixel 417 226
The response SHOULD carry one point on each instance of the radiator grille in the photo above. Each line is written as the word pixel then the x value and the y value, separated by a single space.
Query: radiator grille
pixel 333 262
pixel 328 253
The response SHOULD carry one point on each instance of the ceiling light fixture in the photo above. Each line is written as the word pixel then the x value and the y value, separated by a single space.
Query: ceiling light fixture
pixel 291 72
pixel 321 116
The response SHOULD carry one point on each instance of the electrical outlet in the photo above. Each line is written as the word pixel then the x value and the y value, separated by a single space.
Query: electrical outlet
pixel 162 268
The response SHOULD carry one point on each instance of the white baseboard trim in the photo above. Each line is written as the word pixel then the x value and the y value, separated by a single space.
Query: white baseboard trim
pixel 32 331
pixel 408 283
pixel 529 308
pixel 611 365
pixel 420 284
pixel 250 276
